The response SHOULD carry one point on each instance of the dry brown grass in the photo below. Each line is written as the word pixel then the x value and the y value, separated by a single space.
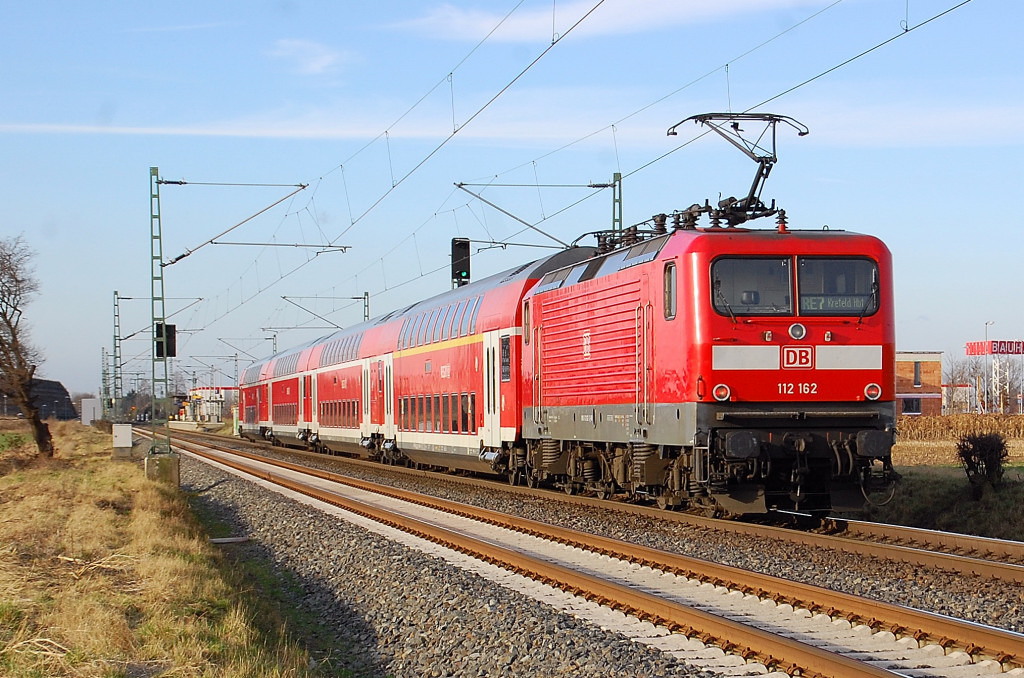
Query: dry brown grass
pixel 931 441
pixel 105 574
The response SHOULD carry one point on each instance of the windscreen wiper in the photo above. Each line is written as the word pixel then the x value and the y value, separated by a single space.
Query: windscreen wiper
pixel 721 295
pixel 871 299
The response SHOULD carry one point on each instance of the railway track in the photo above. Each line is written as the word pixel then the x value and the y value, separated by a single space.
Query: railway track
pixel 770 622
pixel 955 553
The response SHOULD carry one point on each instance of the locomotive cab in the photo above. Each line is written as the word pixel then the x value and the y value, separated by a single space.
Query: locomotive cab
pixel 798 367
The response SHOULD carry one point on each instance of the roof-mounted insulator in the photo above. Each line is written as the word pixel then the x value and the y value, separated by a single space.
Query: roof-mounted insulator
pixel 659 223
pixel 781 219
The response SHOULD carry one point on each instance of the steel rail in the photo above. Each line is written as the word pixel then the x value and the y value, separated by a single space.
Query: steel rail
pixel 775 652
pixel 962 544
pixel 974 639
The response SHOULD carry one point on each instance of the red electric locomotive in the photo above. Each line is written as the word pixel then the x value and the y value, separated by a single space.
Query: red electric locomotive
pixel 720 367
pixel 738 369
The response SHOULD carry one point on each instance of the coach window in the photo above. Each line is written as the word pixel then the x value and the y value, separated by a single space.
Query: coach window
pixel 506 358
pixel 438 331
pixel 435 327
pixel 445 421
pixel 424 338
pixel 472 412
pixel 466 314
pixel 454 397
pixel 417 339
pixel 401 334
pixel 456 318
pixel 446 321
pixel 476 309
pixel 670 290
pixel 437 414
pixel 421 421
pixel 464 427
pixel 428 415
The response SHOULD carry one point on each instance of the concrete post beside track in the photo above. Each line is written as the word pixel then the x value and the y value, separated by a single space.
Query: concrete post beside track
pixel 164 468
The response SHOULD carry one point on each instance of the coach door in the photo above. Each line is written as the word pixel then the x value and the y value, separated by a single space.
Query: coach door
pixel 376 395
pixel 364 425
pixel 389 397
pixel 492 390
pixel 306 397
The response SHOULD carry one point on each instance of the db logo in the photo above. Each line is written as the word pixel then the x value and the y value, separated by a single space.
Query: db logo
pixel 797 358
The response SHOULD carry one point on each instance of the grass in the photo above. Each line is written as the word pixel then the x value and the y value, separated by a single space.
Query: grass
pixel 105 574
pixel 934 493
pixel 12 440
pixel 940 498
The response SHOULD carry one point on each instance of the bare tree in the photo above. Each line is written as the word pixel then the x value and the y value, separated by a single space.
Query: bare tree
pixel 963 377
pixel 18 358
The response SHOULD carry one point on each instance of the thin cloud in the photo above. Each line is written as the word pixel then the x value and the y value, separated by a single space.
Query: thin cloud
pixel 308 57
pixel 836 123
pixel 449 22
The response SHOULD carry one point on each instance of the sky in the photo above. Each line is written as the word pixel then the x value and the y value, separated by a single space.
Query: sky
pixel 915 110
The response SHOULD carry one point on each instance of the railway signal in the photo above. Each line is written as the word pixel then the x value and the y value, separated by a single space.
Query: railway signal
pixel 166 342
pixel 460 261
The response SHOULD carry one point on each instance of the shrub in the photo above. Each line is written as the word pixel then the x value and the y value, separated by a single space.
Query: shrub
pixel 982 456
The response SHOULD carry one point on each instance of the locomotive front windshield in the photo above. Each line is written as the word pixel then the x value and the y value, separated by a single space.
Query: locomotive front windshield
pixel 837 286
pixel 843 286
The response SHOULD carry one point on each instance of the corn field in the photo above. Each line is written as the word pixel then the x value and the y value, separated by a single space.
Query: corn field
pixel 954 426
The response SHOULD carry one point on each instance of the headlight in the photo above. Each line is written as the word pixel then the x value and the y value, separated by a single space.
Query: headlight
pixel 721 392
pixel 872 391
pixel 797 331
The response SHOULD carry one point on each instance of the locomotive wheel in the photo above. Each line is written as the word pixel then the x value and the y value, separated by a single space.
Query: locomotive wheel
pixel 662 502
pixel 706 506
pixel 570 488
pixel 531 479
pixel 513 476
